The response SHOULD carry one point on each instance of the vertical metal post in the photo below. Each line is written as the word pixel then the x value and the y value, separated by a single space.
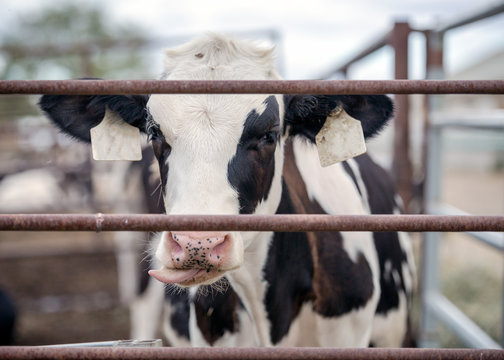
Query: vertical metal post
pixel 432 152
pixel 401 164
pixel 430 248
pixel 433 71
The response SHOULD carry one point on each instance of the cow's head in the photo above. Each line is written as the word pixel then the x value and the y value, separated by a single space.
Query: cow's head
pixel 217 154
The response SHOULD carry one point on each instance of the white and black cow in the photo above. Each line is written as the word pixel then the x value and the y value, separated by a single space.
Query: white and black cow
pixel 255 154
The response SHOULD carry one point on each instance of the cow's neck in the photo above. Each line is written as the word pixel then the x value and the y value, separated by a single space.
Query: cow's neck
pixel 248 282
pixel 276 278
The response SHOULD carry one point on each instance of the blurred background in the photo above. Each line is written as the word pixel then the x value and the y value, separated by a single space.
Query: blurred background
pixel 71 287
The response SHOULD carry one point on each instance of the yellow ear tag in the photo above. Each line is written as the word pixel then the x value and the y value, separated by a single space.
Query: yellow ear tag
pixel 340 139
pixel 114 139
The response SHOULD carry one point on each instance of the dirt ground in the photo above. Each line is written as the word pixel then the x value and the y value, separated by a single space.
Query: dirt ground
pixel 65 298
pixel 69 298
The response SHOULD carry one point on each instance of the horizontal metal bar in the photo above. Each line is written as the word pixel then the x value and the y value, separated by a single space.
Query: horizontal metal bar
pixel 465 329
pixel 90 87
pixel 493 239
pixel 32 353
pixel 113 343
pixel 290 223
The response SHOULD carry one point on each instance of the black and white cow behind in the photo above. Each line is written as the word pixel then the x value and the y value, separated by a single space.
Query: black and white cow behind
pixel 255 154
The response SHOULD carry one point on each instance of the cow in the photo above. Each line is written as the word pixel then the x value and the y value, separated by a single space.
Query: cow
pixel 255 154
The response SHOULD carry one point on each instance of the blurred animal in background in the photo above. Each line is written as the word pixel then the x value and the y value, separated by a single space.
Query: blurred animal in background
pixel 256 154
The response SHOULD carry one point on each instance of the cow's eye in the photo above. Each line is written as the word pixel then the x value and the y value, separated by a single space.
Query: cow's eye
pixel 269 138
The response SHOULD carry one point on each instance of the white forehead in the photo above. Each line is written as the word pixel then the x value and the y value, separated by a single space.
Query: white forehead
pixel 202 118
pixel 216 57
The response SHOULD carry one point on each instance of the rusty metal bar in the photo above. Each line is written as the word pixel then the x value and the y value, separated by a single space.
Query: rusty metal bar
pixel 402 169
pixel 113 353
pixel 289 223
pixel 91 87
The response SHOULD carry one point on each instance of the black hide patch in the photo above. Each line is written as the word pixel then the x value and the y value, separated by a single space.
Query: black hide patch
pixel 75 115
pixel 216 313
pixel 251 169
pixel 179 318
pixel 289 272
pixel 381 197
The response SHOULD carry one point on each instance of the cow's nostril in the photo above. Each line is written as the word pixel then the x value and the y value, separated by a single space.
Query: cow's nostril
pixel 219 250
pixel 174 247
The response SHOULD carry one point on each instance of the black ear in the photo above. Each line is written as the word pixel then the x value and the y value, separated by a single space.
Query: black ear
pixel 306 114
pixel 77 114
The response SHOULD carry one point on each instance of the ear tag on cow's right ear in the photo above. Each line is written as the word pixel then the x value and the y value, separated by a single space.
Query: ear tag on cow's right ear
pixel 115 139
pixel 340 139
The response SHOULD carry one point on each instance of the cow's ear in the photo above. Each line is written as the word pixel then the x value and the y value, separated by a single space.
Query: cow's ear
pixel 77 114
pixel 306 114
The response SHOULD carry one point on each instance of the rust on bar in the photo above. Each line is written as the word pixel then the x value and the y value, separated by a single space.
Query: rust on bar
pixel 288 223
pixel 112 353
pixel 402 168
pixel 96 87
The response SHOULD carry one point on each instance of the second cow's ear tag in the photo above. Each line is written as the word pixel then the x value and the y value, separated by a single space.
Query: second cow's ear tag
pixel 115 139
pixel 340 139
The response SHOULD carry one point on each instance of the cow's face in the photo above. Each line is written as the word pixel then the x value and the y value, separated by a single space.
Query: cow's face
pixel 217 154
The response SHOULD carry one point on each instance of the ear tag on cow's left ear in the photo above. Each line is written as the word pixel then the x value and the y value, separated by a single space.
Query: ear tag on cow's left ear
pixel 115 139
pixel 340 139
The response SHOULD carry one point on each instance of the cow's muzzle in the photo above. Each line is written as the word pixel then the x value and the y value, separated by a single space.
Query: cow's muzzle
pixel 190 258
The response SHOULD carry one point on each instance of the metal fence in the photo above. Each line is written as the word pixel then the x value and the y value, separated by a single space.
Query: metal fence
pixel 100 222
pixel 39 353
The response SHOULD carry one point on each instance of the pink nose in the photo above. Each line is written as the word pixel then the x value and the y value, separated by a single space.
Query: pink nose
pixel 197 250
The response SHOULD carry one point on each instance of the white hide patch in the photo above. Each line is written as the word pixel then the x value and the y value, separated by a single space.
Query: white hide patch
pixel 313 330
pixel 389 329
pixel 360 183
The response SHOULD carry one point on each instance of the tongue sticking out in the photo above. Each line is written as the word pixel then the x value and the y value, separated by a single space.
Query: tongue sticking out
pixel 170 276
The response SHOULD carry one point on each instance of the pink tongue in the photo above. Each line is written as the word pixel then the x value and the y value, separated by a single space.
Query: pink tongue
pixel 170 276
